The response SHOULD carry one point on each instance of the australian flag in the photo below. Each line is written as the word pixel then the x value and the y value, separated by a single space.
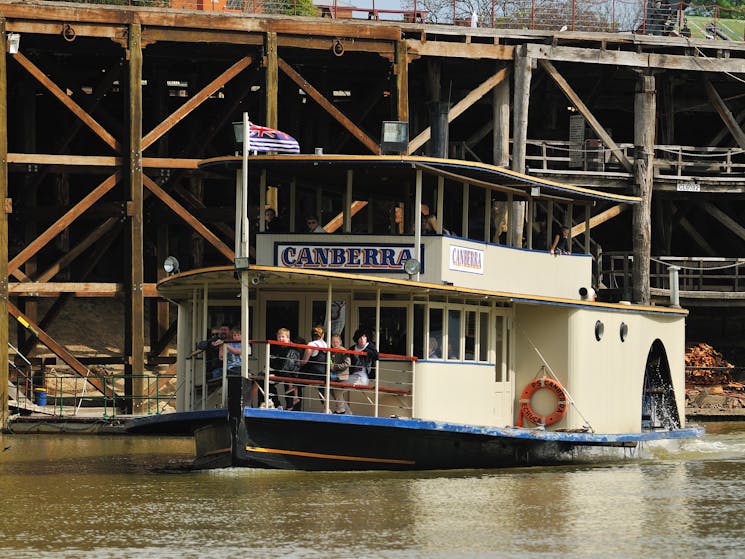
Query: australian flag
pixel 265 140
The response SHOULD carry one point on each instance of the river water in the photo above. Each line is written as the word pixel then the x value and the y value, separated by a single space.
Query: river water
pixel 97 496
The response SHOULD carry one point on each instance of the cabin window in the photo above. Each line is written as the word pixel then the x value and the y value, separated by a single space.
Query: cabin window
pixel 454 334
pixel 338 316
pixel 500 375
pixel 470 338
pixel 483 336
pixel 436 332
pixel 392 336
pixel 282 314
pixel 419 331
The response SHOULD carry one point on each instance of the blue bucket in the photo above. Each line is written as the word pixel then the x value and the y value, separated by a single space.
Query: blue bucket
pixel 40 396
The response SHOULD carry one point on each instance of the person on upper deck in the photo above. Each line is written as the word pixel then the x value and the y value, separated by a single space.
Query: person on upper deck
pixel 362 367
pixel 313 225
pixel 562 243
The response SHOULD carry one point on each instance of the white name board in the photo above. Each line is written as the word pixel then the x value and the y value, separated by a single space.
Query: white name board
pixel 688 186
pixel 466 260
pixel 363 257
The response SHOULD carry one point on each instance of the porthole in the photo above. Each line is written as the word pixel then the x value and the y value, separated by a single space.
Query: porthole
pixel 623 331
pixel 599 330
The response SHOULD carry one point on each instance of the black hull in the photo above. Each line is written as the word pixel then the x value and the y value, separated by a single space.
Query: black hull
pixel 320 445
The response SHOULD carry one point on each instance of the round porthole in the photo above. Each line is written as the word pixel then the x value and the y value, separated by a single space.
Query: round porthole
pixel 624 331
pixel 599 330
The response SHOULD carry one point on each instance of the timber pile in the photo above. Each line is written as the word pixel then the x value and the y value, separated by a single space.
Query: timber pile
pixel 709 367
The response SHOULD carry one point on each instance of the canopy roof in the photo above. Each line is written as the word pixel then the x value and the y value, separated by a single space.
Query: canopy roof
pixel 375 171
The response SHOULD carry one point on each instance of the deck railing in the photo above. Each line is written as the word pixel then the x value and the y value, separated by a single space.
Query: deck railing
pixel 652 17
pixel 389 392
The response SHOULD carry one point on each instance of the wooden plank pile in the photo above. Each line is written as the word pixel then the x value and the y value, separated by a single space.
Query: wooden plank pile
pixel 706 366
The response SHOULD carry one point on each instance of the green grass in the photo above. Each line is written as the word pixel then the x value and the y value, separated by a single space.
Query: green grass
pixel 733 28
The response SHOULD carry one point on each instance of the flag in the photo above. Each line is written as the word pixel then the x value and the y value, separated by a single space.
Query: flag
pixel 264 140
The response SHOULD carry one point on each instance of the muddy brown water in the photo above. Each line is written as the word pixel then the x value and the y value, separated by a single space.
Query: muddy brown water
pixel 115 496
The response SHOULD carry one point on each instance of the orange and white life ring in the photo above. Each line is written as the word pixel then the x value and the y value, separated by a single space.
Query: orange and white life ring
pixel 527 411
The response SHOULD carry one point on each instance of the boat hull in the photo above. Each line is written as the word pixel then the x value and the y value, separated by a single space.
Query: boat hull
pixel 311 441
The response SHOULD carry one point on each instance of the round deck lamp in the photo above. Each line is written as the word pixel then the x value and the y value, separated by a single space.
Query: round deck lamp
pixel 170 265
pixel 412 267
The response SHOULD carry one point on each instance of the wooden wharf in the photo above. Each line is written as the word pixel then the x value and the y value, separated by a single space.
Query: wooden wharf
pixel 105 111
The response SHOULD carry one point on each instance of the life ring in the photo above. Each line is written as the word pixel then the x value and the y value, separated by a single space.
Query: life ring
pixel 527 411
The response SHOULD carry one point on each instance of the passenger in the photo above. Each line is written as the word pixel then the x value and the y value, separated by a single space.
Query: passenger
pixel 340 363
pixel 282 362
pixel 561 244
pixel 233 355
pixel 435 352
pixel 313 225
pixel 210 349
pixel 361 369
pixel 271 222
pixel 312 364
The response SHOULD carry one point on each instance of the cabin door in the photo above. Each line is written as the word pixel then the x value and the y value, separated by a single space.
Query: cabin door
pixel 502 378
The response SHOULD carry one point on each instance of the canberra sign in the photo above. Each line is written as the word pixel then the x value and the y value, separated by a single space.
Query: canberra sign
pixel 362 257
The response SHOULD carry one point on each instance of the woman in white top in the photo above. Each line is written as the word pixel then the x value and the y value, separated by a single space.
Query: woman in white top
pixel 313 362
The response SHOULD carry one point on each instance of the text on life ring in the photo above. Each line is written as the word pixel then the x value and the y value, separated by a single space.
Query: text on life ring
pixel 527 411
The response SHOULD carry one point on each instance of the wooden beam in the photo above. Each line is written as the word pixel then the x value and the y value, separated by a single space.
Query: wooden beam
pixel 697 237
pixel 585 112
pixel 134 324
pixel 716 140
pixel 271 75
pixel 54 289
pixel 645 118
pixel 4 334
pixel 724 219
pixel 184 214
pixel 471 51
pixel 195 101
pixel 725 114
pixel 78 249
pixel 77 289
pixel 612 57
pixel 65 99
pixel 337 221
pixel 340 117
pixel 62 223
pixel 600 218
pixel 59 351
pixel 402 82
pixel 460 107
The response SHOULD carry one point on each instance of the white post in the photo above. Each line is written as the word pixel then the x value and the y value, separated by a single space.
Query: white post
pixel 418 219
pixel 245 333
pixel 674 293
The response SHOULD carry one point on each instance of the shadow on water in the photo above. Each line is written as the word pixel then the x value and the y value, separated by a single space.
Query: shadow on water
pixel 77 496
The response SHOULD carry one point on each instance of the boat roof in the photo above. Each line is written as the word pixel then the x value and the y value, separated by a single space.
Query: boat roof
pixel 223 281
pixel 330 169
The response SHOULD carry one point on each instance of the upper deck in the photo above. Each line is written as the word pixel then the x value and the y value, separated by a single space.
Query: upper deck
pixel 366 206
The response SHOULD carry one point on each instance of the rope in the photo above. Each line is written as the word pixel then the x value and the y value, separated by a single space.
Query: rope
pixel 712 268
pixel 548 367
pixel 735 151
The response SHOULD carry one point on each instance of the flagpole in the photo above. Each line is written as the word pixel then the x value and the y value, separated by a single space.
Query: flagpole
pixel 244 252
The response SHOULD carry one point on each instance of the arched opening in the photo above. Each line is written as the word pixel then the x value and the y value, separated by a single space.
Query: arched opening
pixel 659 410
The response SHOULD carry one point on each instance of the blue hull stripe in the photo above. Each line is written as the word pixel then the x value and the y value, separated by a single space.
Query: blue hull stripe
pixel 504 432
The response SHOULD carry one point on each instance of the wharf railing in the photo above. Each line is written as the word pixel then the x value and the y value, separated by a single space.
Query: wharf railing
pixel 669 160
pixel 650 17
pixel 712 274
pixel 68 395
